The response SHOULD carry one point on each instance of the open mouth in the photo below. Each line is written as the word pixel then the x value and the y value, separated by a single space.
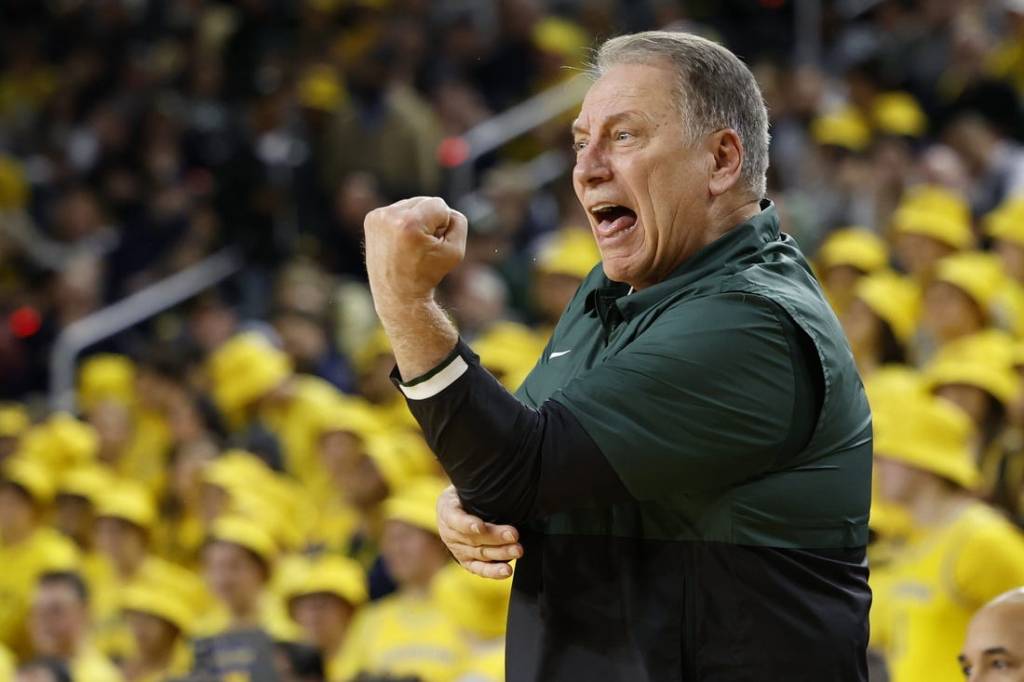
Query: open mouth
pixel 613 218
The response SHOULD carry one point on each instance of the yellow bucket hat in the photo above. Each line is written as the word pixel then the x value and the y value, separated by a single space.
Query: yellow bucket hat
pixel 570 251
pixel 346 415
pixel 1006 222
pixel 855 246
pixel 844 128
pixel 106 377
pixel 157 600
pixel 245 368
pixel 238 530
pixel 895 299
pixel 894 383
pixel 979 275
pixel 397 460
pixel 562 37
pixel 935 212
pixel 929 434
pixel 14 420
pixel 416 503
pixel 509 350
pixel 474 604
pixel 898 113
pixel 128 501
pixel 337 575
pixel 31 476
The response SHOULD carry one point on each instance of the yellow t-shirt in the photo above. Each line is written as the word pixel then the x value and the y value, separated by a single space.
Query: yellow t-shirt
pixel 403 634
pixel 44 550
pixel 145 459
pixel 93 666
pixel 485 663
pixel 6 665
pixel 925 598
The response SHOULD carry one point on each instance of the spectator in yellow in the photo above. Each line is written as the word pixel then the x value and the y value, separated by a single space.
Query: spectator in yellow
pixel 406 633
pixel 962 552
pixel 59 626
pixel 238 562
pixel 880 320
pixel 479 608
pixel 125 517
pixel 322 598
pixel 959 301
pixel 373 362
pixel 1005 225
pixel 844 258
pixel 994 648
pixel 253 380
pixel 27 547
pixel 564 259
pixel 930 223
pixel 159 618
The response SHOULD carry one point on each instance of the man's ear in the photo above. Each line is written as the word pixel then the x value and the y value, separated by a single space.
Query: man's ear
pixel 727 160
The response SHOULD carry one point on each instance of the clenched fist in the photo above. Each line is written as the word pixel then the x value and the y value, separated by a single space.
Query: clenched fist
pixel 410 246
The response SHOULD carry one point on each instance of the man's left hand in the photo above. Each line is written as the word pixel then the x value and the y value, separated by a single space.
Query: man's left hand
pixel 410 246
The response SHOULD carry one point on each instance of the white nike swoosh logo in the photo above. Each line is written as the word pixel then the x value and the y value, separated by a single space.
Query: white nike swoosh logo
pixel 559 353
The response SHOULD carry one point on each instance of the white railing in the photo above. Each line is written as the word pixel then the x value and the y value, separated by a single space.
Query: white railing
pixel 127 312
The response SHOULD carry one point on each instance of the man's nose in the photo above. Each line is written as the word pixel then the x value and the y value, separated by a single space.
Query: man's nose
pixel 592 166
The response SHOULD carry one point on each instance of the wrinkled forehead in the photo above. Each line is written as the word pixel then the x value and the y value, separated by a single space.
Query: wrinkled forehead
pixel 999 625
pixel 649 89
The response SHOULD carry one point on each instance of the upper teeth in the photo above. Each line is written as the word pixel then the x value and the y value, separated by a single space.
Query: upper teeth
pixel 603 207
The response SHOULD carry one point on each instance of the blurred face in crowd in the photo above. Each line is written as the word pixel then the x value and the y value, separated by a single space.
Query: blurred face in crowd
pixel 552 293
pixel 341 452
pixel 31 672
pixel 375 384
pixel 364 486
pixel 214 502
pixel 122 542
pixel 154 637
pixel 186 479
pixel 17 512
pixel 918 253
pixel 304 339
pixel 235 575
pixel 949 313
pixel 863 329
pixel 58 620
pixel 1012 256
pixel 899 482
pixel 115 426
pixel 411 554
pixel 840 281
pixel 644 184
pixel 994 648
pixel 73 516
pixel 324 618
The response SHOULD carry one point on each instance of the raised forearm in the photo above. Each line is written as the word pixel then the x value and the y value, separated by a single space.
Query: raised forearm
pixel 421 334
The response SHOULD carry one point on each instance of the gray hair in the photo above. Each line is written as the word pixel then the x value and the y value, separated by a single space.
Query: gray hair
pixel 715 90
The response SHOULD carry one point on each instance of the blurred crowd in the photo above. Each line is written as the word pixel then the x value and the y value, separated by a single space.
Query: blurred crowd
pixel 240 484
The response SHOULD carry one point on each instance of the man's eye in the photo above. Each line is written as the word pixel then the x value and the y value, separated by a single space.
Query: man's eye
pixel 623 135
pixel 1000 664
pixel 578 145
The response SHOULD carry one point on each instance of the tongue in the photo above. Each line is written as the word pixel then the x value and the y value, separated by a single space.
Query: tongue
pixel 617 223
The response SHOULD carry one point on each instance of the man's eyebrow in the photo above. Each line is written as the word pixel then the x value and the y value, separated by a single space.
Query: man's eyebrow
pixel 577 127
pixel 991 651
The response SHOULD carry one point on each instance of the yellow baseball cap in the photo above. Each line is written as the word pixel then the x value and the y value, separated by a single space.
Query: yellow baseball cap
pixel 128 501
pixel 844 128
pixel 979 275
pixel 31 476
pixel 928 434
pixel 935 212
pixel 246 533
pixel 898 113
pixel 416 503
pixel 90 481
pixel 14 420
pixel 855 246
pixel 895 299
pixel 160 601
pixel 106 377
pixel 1006 222
pixel 337 575
pixel 245 368
pixel 569 251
